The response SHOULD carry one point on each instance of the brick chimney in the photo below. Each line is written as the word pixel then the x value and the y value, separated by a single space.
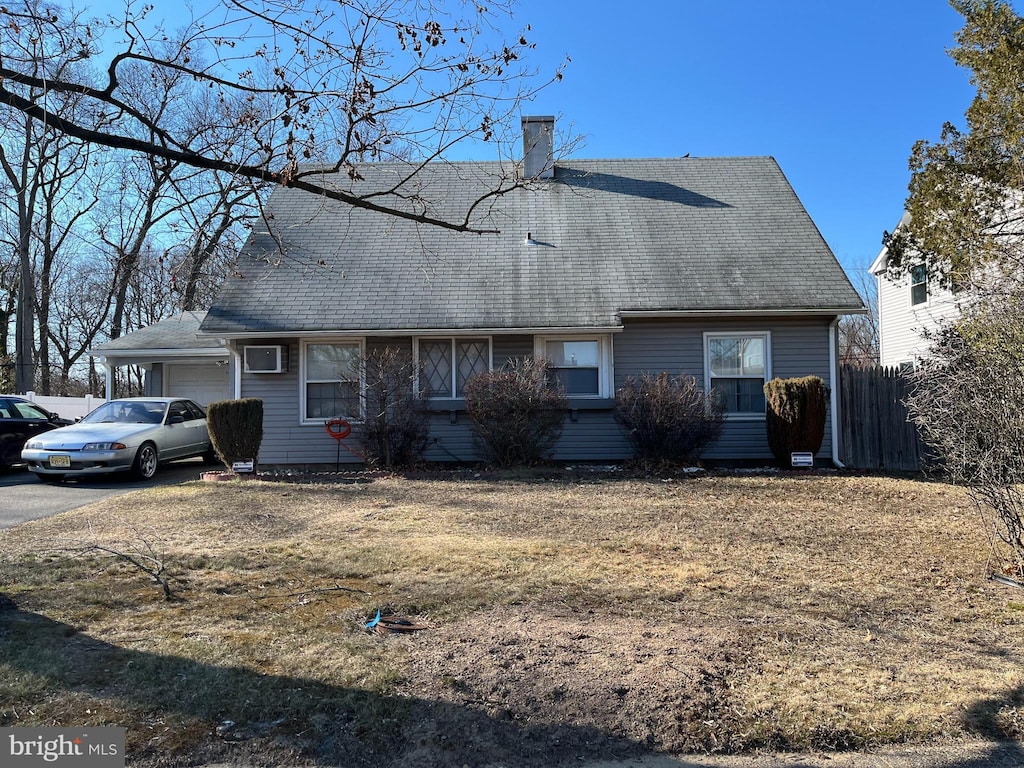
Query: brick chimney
pixel 539 147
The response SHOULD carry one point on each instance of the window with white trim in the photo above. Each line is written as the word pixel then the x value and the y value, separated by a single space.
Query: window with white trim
pixel 918 285
pixel 581 363
pixel 737 366
pixel 447 364
pixel 331 380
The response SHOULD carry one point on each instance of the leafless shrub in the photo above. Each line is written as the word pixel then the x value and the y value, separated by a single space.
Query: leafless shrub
pixel 668 418
pixel 396 429
pixel 517 412
pixel 968 402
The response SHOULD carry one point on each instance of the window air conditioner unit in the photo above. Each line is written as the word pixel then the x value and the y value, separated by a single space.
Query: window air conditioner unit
pixel 263 359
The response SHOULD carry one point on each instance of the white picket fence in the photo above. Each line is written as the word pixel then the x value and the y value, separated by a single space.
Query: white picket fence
pixel 67 407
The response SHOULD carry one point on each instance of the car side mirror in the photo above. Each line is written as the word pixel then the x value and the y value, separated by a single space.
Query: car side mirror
pixel 53 415
pixel 176 420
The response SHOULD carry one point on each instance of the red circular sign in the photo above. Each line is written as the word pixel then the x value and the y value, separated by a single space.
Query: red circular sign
pixel 339 429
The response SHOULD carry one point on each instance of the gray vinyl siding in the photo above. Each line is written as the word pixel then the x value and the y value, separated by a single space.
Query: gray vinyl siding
pixel 285 439
pixel 798 348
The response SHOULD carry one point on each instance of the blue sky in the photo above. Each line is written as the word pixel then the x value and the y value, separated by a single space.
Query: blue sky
pixel 837 91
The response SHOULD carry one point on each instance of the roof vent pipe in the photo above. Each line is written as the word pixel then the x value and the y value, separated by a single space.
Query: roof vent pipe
pixel 539 147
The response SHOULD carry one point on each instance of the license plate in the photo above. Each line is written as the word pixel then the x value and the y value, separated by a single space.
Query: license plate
pixel 60 461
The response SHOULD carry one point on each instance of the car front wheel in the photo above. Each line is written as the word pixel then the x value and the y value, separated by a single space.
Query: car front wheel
pixel 144 466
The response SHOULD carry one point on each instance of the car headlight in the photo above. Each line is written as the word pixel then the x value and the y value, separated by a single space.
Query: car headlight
pixel 35 445
pixel 103 446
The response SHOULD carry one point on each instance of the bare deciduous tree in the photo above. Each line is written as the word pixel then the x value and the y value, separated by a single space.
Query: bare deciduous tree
pixel 41 169
pixel 859 334
pixel 324 84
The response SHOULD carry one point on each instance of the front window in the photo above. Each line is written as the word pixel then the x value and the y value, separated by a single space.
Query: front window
pixel 332 380
pixel 918 285
pixel 737 368
pixel 576 364
pixel 582 364
pixel 447 364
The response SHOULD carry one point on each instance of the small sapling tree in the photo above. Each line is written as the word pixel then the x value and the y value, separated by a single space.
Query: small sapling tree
pixel 968 402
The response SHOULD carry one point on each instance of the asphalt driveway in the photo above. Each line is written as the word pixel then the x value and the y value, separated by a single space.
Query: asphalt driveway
pixel 24 497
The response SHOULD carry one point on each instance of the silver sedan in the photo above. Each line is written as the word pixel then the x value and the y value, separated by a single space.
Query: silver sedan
pixel 134 434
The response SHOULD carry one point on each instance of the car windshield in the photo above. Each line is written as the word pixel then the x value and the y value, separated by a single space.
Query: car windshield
pixel 128 412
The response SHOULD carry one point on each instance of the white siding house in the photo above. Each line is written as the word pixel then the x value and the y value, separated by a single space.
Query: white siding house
pixel 908 306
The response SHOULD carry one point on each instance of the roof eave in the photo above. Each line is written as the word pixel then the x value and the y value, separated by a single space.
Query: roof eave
pixel 634 314
pixel 157 353
pixel 481 331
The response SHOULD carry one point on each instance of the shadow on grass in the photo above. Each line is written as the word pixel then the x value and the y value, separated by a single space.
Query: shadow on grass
pixel 279 720
pixel 983 719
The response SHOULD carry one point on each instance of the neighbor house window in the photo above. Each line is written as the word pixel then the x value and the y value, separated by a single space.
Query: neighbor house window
pixel 581 364
pixel 332 380
pixel 447 364
pixel 918 285
pixel 737 368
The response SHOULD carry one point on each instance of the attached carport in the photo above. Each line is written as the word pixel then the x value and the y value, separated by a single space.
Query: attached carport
pixel 175 361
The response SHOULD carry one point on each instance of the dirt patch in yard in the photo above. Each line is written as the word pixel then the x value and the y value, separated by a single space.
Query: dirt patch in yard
pixel 623 683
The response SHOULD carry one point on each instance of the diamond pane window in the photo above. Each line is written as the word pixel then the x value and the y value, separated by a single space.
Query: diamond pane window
pixel 436 365
pixel 474 356
pixel 447 364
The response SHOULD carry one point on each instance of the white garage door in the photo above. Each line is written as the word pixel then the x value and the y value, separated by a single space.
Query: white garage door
pixel 202 382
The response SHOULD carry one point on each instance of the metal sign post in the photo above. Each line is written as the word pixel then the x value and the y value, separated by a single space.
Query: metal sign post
pixel 339 429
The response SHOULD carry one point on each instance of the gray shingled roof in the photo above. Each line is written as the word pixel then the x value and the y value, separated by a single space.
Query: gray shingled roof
pixel 177 333
pixel 684 234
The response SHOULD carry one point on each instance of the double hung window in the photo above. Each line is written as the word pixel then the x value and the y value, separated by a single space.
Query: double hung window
pixel 918 285
pixel 576 365
pixel 332 384
pixel 737 367
pixel 581 364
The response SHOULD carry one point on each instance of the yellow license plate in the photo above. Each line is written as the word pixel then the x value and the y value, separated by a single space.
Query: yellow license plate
pixel 60 461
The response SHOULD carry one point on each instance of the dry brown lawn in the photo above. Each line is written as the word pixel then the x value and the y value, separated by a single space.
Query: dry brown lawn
pixel 567 617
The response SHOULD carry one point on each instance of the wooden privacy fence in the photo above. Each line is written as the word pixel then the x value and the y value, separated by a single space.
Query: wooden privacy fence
pixel 877 433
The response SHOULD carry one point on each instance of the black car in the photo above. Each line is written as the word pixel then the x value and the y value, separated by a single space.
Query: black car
pixel 21 420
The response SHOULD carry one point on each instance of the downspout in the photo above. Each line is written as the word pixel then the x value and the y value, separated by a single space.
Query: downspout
pixel 833 374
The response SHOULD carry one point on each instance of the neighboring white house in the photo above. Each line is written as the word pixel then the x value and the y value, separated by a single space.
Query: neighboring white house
pixel 907 307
